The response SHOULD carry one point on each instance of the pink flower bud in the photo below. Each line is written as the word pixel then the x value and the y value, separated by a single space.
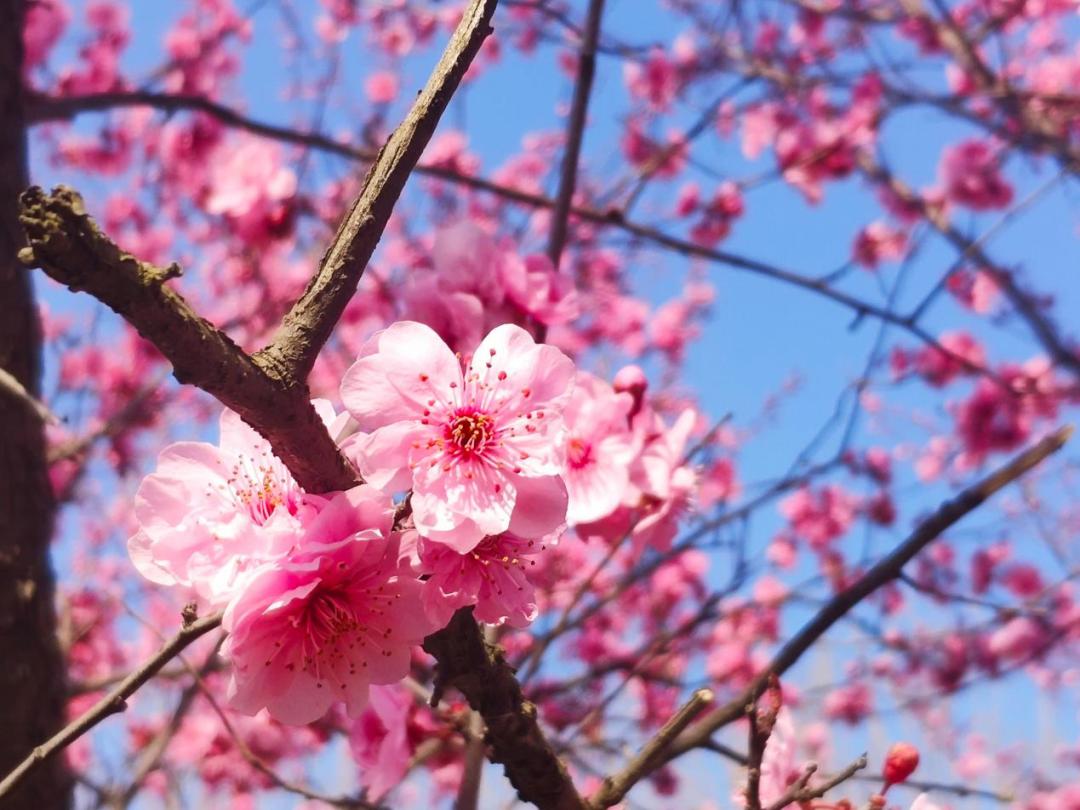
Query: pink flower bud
pixel 900 762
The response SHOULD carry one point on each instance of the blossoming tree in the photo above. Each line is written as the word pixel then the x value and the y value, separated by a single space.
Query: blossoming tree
pixel 350 457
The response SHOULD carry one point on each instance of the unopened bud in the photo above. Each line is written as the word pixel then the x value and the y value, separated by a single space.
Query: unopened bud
pixel 900 762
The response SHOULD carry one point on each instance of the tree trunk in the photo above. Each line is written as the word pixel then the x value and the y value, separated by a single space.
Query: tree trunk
pixel 32 688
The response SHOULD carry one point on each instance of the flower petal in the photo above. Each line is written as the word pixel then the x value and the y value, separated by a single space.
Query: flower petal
pixel 400 369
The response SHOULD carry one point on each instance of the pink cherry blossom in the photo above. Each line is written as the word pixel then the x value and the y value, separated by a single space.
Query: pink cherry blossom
pixel 600 449
pixel 338 614
pixel 379 740
pixel 538 289
pixel 251 185
pixel 481 447
pixel 719 484
pixel 209 514
pixel 382 87
pixel 971 174
pixel 664 482
pixel 849 703
pixel 879 242
pixel 922 802
pixel 45 23
pixel 1020 638
pixel 476 284
pixel 978 291
pixel 820 516
pixel 493 576
pixel 655 81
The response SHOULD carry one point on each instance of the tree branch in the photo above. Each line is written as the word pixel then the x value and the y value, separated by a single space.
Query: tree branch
pixel 49 108
pixel 1025 304
pixel 113 703
pixel 884 571
pixel 67 244
pixel 575 132
pixel 616 787
pixel 15 389
pixel 150 756
pixel 307 326
pixel 479 671
pixel 800 791
pixel 269 393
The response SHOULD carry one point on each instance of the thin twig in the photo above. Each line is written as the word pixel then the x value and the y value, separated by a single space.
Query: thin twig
pixel 615 787
pixel 886 570
pixel 113 703
pixel 801 792
pixel 1025 303
pixel 761 727
pixel 350 802
pixel 921 786
pixel 151 755
pixel 12 387
pixel 53 108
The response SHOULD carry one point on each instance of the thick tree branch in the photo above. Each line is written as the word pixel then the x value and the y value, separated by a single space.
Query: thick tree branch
pixel 113 703
pixel 479 671
pixel 67 244
pixel 884 571
pixel 307 326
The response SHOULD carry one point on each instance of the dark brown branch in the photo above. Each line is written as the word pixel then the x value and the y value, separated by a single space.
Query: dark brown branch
pixel 33 694
pixel 761 725
pixel 66 243
pixel 307 326
pixel 883 572
pixel 575 132
pixel 112 703
pixel 479 671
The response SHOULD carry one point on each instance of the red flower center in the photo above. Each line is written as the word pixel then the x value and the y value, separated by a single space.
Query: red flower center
pixel 471 431
pixel 578 453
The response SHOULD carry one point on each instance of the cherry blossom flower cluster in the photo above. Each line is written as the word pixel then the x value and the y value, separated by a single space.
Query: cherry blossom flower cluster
pixel 491 456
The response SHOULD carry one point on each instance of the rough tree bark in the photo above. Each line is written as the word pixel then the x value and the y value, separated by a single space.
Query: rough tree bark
pixel 31 673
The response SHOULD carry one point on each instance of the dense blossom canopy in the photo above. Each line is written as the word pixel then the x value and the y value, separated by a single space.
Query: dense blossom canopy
pixel 701 389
